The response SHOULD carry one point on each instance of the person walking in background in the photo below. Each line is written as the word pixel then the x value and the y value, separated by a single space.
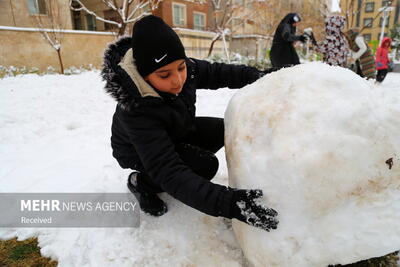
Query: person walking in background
pixel 283 53
pixel 382 59
pixel 361 54
pixel 334 47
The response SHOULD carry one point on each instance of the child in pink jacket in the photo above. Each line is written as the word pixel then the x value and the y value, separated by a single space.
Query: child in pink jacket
pixel 382 59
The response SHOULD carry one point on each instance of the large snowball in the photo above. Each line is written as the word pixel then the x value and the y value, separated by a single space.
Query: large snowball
pixel 323 144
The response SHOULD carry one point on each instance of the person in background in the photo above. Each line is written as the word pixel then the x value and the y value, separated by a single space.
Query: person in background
pixel 334 48
pixel 283 53
pixel 361 54
pixel 155 131
pixel 382 59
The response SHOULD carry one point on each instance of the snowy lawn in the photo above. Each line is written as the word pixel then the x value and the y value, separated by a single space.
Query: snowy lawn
pixel 55 137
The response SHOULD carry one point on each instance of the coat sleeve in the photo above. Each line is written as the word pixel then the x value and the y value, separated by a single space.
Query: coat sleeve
pixel 220 75
pixel 378 55
pixel 362 47
pixel 287 34
pixel 159 158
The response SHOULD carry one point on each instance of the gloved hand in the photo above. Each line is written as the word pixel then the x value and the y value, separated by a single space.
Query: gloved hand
pixel 269 70
pixel 303 38
pixel 245 208
pixel 379 64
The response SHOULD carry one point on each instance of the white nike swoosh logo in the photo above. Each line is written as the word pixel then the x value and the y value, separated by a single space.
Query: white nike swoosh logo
pixel 158 60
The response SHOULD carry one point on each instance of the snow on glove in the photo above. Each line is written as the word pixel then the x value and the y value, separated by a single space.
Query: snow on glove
pixel 267 71
pixel 245 208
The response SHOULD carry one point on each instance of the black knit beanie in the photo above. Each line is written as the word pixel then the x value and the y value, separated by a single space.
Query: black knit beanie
pixel 154 45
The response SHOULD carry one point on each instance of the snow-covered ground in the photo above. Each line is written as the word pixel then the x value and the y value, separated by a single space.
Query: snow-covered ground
pixel 55 137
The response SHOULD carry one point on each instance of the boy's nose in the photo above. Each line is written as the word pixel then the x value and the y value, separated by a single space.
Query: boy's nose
pixel 177 79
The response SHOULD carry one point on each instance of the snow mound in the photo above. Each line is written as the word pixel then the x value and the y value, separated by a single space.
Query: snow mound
pixel 323 145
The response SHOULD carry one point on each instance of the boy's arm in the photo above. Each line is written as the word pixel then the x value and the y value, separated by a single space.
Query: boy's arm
pixel 219 75
pixel 167 170
pixel 161 162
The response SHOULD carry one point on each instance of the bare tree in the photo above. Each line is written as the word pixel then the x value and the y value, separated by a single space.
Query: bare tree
pixel 127 11
pixel 228 17
pixel 51 26
pixel 268 14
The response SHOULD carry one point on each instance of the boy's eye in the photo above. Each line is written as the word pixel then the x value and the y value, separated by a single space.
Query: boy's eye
pixel 164 76
pixel 182 68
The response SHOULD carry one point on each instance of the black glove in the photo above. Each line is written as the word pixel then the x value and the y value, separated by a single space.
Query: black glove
pixel 303 38
pixel 266 71
pixel 245 208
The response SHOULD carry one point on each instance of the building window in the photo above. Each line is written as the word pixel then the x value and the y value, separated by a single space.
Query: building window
pixel 367 37
pixel 91 22
pixel 199 21
pixel 368 23
pixel 77 20
pixel 387 22
pixel 179 14
pixel 37 7
pixel 369 7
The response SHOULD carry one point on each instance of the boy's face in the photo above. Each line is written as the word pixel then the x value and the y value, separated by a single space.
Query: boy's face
pixel 170 78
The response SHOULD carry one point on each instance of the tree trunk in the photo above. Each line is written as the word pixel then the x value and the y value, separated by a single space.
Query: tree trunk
pixel 121 30
pixel 226 49
pixel 212 46
pixel 60 60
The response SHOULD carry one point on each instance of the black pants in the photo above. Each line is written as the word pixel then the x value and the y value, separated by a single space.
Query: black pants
pixel 359 70
pixel 380 76
pixel 196 150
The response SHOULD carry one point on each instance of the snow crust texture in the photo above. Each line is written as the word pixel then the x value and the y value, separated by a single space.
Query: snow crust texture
pixel 323 144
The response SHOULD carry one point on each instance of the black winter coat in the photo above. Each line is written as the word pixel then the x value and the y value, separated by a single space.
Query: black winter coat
pixel 146 126
pixel 282 52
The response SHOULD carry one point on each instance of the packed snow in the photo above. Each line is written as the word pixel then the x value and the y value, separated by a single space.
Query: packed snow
pixel 55 137
pixel 326 155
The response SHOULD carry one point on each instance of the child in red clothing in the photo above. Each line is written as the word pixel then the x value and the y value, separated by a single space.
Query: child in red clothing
pixel 382 59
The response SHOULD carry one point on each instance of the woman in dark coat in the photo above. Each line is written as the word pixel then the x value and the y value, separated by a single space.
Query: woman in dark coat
pixel 155 131
pixel 283 53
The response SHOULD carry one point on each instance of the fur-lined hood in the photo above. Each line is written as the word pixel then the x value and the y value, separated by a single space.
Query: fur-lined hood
pixel 123 81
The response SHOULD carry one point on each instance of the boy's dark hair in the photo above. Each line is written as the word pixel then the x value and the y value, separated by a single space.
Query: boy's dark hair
pixel 154 45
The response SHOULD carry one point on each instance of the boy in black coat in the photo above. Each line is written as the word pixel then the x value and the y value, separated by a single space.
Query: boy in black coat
pixel 283 53
pixel 155 131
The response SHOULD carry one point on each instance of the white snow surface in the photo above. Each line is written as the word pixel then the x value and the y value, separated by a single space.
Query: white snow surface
pixel 55 137
pixel 315 139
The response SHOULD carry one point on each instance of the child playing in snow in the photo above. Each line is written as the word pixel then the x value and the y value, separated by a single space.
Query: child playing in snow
pixel 334 47
pixel 155 131
pixel 361 54
pixel 382 59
